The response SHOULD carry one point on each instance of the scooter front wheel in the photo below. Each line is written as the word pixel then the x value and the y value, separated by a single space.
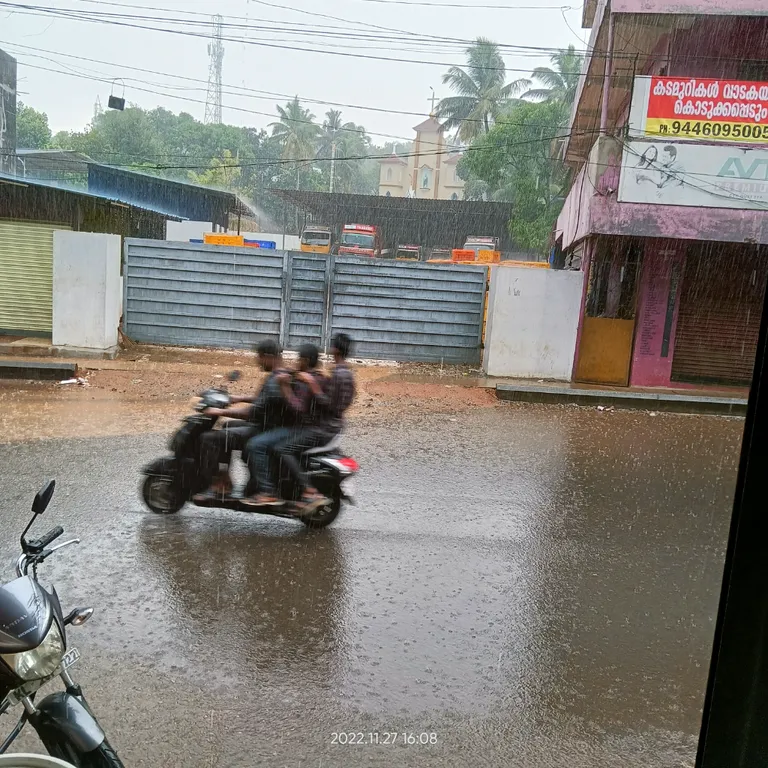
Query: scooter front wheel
pixel 161 493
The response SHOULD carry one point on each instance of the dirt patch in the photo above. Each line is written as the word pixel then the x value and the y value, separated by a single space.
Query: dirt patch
pixel 140 393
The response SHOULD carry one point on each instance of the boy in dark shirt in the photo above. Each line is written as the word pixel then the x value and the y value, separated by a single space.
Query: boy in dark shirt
pixel 324 409
pixel 249 416
pixel 300 410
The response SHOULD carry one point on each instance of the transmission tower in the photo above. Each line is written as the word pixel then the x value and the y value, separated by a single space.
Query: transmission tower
pixel 216 54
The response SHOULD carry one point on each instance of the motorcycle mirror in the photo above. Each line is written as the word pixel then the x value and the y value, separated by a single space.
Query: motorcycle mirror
pixel 234 376
pixel 43 497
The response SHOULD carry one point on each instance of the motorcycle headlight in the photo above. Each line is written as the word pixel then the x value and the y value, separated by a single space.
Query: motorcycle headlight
pixel 41 661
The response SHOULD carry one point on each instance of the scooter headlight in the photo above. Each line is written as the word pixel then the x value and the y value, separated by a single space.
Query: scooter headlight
pixel 40 662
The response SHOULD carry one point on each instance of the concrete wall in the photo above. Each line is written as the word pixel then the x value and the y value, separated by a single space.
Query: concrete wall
pixel 533 319
pixel 717 7
pixel 184 231
pixel 86 290
pixel 284 242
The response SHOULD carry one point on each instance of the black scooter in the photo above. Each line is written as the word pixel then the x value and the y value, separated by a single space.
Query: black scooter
pixel 173 480
pixel 33 651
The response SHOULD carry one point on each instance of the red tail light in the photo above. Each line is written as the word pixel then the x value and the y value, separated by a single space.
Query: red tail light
pixel 349 464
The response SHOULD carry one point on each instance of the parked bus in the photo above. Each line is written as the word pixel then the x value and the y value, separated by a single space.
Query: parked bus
pixel 316 240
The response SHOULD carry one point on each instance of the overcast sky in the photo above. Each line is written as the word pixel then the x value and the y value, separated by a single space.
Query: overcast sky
pixel 68 99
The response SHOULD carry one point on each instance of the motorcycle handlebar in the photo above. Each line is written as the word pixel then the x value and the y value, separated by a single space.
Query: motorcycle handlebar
pixel 52 535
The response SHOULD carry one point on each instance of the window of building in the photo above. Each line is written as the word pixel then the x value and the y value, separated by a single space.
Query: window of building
pixel 389 174
pixel 454 196
pixel 389 194
pixel 751 69
pixel 456 174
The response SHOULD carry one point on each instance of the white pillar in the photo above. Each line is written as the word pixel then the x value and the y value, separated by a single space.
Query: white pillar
pixel 86 290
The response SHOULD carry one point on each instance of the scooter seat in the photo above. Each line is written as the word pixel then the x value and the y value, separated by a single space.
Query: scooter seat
pixel 327 448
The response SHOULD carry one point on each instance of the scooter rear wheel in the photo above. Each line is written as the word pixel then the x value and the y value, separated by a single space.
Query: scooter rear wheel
pixel 162 495
pixel 323 516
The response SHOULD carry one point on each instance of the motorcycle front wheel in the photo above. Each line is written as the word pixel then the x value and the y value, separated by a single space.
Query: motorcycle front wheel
pixel 162 495
pixel 103 756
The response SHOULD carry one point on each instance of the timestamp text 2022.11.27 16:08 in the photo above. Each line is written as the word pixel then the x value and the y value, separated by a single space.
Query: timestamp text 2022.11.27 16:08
pixel 383 738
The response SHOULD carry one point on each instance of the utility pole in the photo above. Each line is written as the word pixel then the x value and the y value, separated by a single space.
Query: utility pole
pixel 333 163
pixel 216 56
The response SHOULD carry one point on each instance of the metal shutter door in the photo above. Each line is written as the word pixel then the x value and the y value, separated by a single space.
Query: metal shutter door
pixel 719 318
pixel 26 276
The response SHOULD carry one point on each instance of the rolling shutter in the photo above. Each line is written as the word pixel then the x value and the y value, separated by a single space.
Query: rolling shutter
pixel 26 276
pixel 719 317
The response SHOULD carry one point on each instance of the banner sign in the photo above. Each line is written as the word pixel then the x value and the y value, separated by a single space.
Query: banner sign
pixel 700 109
pixel 701 175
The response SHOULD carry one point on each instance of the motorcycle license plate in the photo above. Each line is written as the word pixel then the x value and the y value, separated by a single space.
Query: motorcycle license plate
pixel 69 658
pixel 348 488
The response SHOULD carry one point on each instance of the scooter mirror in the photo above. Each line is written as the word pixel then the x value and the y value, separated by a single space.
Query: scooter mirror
pixel 43 497
pixel 234 375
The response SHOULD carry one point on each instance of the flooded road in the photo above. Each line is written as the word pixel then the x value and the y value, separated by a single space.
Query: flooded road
pixel 519 585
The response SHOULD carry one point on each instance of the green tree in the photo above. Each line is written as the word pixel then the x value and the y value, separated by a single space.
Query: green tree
pixel 297 134
pixel 481 88
pixel 343 146
pixel 224 172
pixel 515 163
pixel 32 129
pixel 118 138
pixel 560 81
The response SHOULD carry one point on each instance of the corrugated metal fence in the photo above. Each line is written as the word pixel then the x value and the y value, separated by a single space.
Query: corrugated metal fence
pixel 201 295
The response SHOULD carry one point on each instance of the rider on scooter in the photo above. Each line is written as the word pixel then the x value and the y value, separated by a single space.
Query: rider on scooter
pixel 299 396
pixel 331 402
pixel 249 416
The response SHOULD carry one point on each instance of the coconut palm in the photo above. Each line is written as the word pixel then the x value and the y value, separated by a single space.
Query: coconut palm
pixel 560 81
pixel 296 132
pixel 342 141
pixel 482 93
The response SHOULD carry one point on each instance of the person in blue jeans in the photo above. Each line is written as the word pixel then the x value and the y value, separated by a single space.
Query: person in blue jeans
pixel 324 418
pixel 248 416
pixel 297 397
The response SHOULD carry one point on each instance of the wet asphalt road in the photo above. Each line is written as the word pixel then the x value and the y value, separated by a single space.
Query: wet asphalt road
pixel 535 586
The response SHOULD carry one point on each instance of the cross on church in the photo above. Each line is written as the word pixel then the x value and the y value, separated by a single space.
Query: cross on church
pixel 432 99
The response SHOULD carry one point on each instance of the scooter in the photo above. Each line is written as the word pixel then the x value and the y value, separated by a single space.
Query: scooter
pixel 172 481
pixel 34 651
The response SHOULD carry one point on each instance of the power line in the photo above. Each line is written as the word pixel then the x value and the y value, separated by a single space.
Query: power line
pixel 355 130
pixel 258 94
pixel 313 160
pixel 94 19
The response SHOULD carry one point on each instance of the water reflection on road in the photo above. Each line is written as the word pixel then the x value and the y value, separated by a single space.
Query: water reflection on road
pixel 536 584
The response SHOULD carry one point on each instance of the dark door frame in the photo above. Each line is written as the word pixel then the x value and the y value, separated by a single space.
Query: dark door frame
pixel 734 732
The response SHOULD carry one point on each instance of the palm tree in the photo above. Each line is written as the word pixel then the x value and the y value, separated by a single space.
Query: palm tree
pixel 482 92
pixel 296 132
pixel 339 141
pixel 560 81
pixel 331 129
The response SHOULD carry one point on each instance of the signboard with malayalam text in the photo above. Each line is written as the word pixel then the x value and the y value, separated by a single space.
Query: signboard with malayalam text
pixel 700 175
pixel 700 109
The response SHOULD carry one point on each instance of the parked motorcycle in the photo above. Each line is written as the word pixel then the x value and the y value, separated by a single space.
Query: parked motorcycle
pixel 34 651
pixel 172 481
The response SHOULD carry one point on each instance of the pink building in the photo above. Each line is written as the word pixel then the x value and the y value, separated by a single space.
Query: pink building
pixel 668 211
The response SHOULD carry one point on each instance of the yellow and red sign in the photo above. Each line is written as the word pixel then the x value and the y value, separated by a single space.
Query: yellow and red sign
pixel 704 109
pixel 215 238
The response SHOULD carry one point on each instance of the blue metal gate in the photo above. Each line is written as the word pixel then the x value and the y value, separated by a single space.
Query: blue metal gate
pixel 207 295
